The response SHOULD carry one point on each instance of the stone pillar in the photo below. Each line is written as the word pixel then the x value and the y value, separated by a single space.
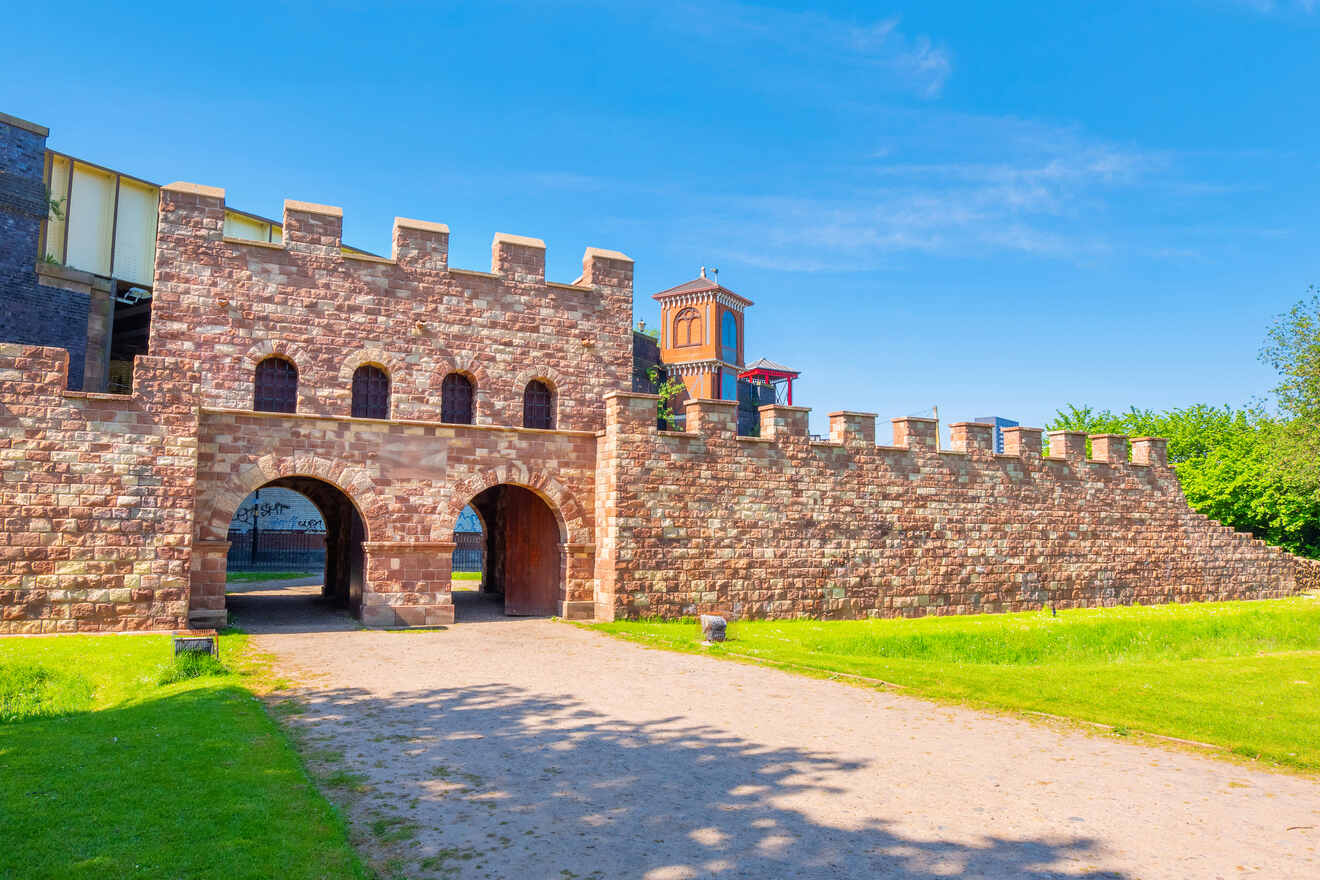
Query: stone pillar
pixel 1070 445
pixel 408 583
pixel 852 428
pixel 206 598
pixel 579 570
pixel 968 436
pixel 518 257
pixel 780 422
pixel 314 229
pixel 712 418
pixel 1022 441
pixel 914 432
pixel 421 245
pixel 1150 450
pixel 1109 448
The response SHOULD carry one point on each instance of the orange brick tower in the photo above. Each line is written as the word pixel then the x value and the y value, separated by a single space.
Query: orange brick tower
pixel 701 336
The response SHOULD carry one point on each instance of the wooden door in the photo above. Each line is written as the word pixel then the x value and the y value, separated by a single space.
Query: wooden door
pixel 531 554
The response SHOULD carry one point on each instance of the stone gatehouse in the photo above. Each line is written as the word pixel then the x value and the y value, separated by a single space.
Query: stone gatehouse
pixel 394 392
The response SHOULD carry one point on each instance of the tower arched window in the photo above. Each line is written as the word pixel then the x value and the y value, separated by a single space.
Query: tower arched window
pixel 687 327
pixel 729 337
pixel 538 405
pixel 275 386
pixel 371 393
pixel 456 398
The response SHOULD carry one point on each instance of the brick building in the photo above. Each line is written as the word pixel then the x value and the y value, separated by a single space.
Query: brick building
pixel 394 392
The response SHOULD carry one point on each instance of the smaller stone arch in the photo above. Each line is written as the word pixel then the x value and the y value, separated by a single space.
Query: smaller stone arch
pixel 550 377
pixel 377 357
pixel 290 351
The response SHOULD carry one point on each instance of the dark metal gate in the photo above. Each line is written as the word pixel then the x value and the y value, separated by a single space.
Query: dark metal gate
pixel 276 550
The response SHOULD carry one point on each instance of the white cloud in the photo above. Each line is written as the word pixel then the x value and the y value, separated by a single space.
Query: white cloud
pixel 828 46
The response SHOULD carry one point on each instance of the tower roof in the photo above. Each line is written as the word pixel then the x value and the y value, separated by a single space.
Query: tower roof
pixel 701 285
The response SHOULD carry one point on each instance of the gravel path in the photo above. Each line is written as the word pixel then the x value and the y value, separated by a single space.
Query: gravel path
pixel 507 748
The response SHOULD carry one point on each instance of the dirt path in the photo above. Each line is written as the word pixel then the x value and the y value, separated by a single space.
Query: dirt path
pixel 530 749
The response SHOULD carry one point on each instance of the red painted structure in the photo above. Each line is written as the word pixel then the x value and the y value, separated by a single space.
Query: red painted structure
pixel 771 373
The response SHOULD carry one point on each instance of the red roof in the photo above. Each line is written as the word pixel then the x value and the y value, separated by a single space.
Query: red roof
pixel 700 285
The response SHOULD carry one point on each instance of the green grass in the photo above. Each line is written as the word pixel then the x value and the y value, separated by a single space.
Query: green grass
pixel 1241 675
pixel 116 775
pixel 248 577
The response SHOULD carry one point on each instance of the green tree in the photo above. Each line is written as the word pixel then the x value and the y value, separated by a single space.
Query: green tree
pixel 1224 460
pixel 1293 348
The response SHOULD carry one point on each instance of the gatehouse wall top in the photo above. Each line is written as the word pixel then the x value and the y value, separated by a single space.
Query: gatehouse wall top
pixel 228 303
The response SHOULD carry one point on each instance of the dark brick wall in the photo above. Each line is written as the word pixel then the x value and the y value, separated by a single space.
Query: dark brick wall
pixel 31 313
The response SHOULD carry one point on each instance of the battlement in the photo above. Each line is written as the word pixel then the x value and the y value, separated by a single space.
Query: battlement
pixel 317 230
pixel 783 525
pixel 856 431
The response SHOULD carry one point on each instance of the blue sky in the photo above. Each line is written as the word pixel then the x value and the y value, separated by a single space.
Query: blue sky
pixel 996 208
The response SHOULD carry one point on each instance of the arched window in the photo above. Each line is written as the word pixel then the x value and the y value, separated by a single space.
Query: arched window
pixel 371 393
pixel 456 394
pixel 538 405
pixel 687 328
pixel 275 386
pixel 729 337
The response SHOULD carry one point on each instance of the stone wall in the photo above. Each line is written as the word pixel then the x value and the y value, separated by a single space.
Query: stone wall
pixel 96 496
pixel 31 313
pixel 1308 575
pixel 229 303
pixel 781 526
pixel 409 481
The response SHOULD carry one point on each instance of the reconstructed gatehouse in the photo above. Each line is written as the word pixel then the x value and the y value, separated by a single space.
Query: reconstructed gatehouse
pixel 394 392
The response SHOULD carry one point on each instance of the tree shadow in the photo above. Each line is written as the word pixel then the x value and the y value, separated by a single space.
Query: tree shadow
pixel 496 781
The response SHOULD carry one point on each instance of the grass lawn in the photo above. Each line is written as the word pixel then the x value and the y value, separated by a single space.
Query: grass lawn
pixel 128 777
pixel 1242 675
pixel 248 577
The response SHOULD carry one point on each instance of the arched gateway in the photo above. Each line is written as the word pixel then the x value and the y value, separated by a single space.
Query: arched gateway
pixel 524 554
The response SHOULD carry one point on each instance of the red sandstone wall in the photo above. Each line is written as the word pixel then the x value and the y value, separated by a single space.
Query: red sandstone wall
pixel 96 496
pixel 409 482
pixel 782 526
pixel 227 304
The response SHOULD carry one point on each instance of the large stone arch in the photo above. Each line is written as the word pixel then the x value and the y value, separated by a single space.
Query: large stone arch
pixel 356 484
pixel 571 516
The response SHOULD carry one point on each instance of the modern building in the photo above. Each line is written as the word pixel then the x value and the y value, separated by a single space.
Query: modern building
pixel 1000 423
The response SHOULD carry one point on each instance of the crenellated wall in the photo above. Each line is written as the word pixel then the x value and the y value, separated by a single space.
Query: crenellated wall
pixel 781 526
pixel 227 303
pixel 96 496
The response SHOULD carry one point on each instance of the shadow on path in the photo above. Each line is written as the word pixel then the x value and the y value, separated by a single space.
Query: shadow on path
pixel 497 781
pixel 282 607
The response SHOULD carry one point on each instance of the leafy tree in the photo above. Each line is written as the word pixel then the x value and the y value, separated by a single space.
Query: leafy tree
pixel 1224 459
pixel 1293 348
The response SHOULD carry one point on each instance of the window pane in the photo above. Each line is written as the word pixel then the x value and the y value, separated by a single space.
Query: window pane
pixel 275 386
pixel 538 406
pixel 456 400
pixel 371 393
pixel 728 385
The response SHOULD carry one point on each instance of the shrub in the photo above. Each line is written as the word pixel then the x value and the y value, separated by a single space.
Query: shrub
pixel 191 664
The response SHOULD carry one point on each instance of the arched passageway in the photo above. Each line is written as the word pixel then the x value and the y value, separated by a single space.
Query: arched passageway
pixel 523 564
pixel 287 538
